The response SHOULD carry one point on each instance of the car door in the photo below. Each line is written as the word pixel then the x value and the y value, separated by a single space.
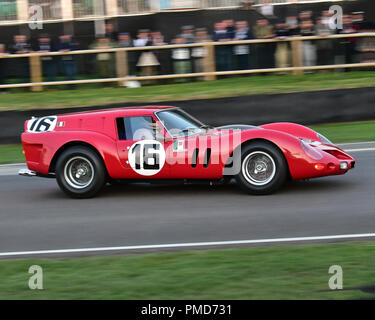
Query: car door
pixel 140 150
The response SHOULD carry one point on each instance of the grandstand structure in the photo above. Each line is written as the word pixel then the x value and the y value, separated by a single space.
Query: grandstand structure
pixel 19 11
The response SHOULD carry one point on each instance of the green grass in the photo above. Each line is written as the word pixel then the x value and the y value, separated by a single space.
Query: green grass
pixel 96 95
pixel 348 132
pixel 337 132
pixel 277 272
pixel 11 154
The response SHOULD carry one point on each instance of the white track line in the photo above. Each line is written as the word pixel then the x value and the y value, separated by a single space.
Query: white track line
pixel 184 245
pixel 354 143
pixel 360 150
pixel 12 165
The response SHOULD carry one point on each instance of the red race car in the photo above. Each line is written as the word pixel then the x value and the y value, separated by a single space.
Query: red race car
pixel 83 151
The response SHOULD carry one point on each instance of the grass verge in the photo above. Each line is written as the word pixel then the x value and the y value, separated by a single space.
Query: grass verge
pixel 277 272
pixel 91 96
pixel 336 132
pixel 348 131
pixel 11 154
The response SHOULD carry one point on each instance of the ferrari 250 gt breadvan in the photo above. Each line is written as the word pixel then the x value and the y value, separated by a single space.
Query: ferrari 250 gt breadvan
pixel 84 151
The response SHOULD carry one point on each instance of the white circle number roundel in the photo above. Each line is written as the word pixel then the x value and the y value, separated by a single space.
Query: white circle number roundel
pixel 147 157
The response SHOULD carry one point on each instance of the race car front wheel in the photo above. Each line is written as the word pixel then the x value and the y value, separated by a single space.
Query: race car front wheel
pixel 80 172
pixel 263 168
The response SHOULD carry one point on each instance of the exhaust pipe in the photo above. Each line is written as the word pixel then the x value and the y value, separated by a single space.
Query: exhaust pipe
pixel 27 173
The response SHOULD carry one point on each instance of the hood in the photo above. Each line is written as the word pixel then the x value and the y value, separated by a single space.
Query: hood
pixel 241 127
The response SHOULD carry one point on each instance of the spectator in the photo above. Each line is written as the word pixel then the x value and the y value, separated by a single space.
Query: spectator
pixel 162 55
pixel 125 41
pixel 347 45
pixel 110 32
pixel 67 61
pixel 104 59
pixel 308 47
pixel 48 62
pixel 199 53
pixel 143 38
pixel 181 58
pixel 359 23
pixel 21 46
pixel 229 23
pixel 282 48
pixel 305 16
pixel 147 61
pixel 324 47
pixel 265 51
pixel 223 53
pixel 293 26
pixel 326 17
pixel 2 69
pixel 242 52
pixel 157 39
pixel 188 34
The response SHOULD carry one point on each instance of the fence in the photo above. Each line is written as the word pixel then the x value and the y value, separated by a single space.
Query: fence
pixel 210 72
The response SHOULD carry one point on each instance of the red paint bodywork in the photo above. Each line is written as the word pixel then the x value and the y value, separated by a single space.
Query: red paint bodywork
pixel 99 130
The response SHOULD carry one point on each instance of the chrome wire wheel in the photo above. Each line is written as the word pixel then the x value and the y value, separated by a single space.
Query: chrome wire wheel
pixel 79 172
pixel 258 168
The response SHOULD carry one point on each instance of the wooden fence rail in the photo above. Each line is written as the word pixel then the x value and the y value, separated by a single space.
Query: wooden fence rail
pixel 209 73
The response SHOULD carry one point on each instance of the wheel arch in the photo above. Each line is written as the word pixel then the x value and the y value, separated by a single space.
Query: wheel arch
pixel 71 144
pixel 263 140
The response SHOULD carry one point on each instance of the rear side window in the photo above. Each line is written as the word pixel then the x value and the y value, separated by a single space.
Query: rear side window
pixel 136 128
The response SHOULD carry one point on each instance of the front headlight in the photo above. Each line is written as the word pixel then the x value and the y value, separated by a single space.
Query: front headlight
pixel 310 151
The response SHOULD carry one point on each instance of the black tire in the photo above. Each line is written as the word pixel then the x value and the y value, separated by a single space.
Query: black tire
pixel 80 172
pixel 263 168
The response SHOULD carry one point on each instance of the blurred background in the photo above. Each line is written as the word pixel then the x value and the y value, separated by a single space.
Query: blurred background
pixel 271 31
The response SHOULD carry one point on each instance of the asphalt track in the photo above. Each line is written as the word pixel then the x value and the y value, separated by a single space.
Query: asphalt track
pixel 36 218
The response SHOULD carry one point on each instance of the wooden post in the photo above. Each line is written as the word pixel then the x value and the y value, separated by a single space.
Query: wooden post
pixel 67 10
pixel 297 56
pixel 35 72
pixel 112 8
pixel 22 10
pixel 122 65
pixel 209 61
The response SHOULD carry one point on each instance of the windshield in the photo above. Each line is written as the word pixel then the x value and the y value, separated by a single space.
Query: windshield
pixel 179 123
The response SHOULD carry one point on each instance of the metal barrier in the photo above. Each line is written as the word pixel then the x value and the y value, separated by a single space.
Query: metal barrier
pixel 209 73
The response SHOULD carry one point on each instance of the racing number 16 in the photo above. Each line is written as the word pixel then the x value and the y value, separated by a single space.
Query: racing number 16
pixel 147 156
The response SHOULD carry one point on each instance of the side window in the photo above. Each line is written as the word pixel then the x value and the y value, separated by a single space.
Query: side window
pixel 136 128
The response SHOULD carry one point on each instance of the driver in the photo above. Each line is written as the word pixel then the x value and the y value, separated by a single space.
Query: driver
pixel 142 129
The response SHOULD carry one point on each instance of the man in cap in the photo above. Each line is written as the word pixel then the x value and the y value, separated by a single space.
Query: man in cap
pixel 48 62
pixel 188 34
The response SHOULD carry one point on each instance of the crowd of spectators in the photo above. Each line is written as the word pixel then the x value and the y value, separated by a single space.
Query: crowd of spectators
pixel 187 60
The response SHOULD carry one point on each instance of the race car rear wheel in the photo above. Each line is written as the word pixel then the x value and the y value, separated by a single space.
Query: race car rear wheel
pixel 80 172
pixel 263 168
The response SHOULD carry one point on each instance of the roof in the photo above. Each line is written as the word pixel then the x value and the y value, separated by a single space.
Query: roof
pixel 128 110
